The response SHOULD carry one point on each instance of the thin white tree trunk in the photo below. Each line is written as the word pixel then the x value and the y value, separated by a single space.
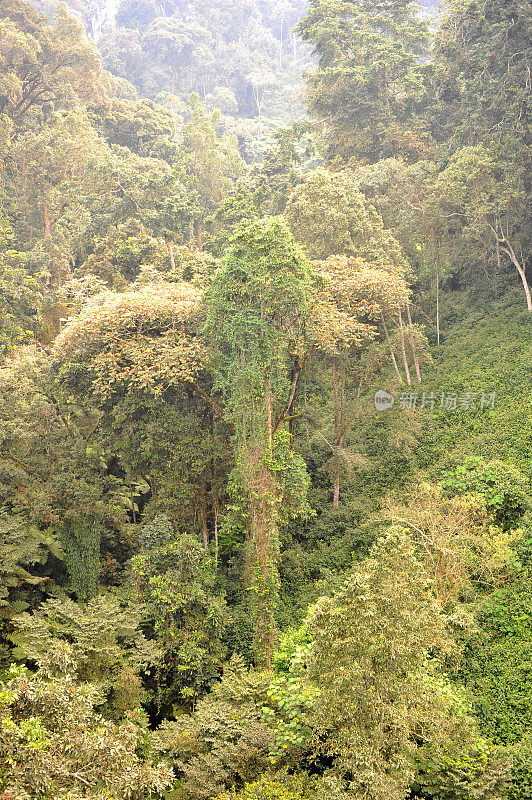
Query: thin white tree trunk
pixel 403 350
pixel 392 354
pixel 438 306
pixel 413 344
pixel 507 248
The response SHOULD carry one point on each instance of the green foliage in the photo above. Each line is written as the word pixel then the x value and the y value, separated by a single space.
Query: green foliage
pixel 255 323
pixel 461 549
pixel 243 203
pixel 81 539
pixel 368 78
pixel 242 56
pixel 45 66
pixel 503 486
pixel 279 786
pixel 212 163
pixel 25 553
pixel 52 465
pixel 496 664
pixel 251 304
pixel 288 644
pixel 52 178
pixel 226 436
pixel 183 480
pixel 521 775
pixel 141 340
pixel 293 704
pixel 481 65
pixel 480 352
pixel 174 575
pixel 370 643
pixel 20 295
pixel 140 125
pixel 401 194
pixel 484 190
pixel 329 216
pixel 54 744
pixel 226 742
pixel 108 649
pixel 120 257
pixel 461 764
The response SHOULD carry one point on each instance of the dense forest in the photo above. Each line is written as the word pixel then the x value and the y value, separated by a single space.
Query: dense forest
pixel 265 400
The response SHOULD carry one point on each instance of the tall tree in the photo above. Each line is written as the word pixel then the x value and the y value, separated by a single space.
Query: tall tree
pixel 182 47
pixel 174 576
pixel 144 365
pixel 354 297
pixel 51 172
pixel 20 294
pixel 370 641
pixel 365 87
pixel 482 73
pixel 484 195
pixel 53 471
pixel 55 738
pixel 141 338
pixel 257 306
pixel 45 66
pixel 329 216
pixel 211 161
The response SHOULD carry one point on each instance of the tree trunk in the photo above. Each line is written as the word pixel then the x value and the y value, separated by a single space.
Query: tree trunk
pixel 339 435
pixel 386 88
pixel 392 354
pixel 502 241
pixel 336 405
pixel 202 514
pixel 264 545
pixel 214 506
pixel 269 423
pixel 438 306
pixel 264 496
pixel 336 492
pixel 263 554
pixel 132 500
pixel 199 240
pixel 289 405
pixel 47 223
pixel 510 251
pixel 215 513
pixel 305 406
pixel 170 245
pixel 413 344
pixel 403 349
pixel 342 401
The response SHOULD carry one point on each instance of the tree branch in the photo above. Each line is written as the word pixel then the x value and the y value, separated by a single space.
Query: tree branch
pixel 13 460
pixel 218 410
pixel 286 409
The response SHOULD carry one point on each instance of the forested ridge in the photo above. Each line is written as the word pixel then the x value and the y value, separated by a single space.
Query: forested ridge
pixel 265 400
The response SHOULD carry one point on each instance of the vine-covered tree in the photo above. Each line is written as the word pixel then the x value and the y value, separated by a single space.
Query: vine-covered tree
pixel 257 306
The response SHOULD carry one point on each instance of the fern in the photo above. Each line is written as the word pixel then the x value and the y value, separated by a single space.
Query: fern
pixel 23 547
